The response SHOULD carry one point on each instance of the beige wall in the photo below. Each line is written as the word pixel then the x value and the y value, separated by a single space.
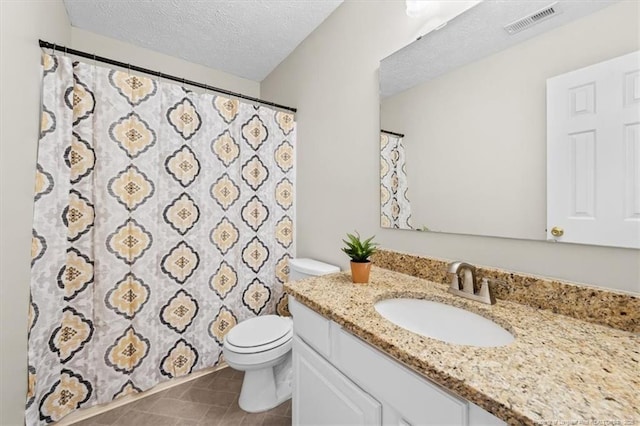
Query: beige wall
pixel 332 78
pixel 480 129
pixel 23 23
pixel 128 53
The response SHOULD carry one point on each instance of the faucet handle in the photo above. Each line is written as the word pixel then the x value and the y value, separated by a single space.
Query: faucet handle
pixel 455 281
pixel 485 292
pixel 453 272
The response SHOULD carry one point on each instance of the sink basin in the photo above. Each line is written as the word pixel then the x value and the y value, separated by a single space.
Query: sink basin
pixel 443 322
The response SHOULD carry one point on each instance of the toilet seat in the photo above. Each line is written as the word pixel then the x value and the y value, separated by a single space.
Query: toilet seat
pixel 259 334
pixel 256 359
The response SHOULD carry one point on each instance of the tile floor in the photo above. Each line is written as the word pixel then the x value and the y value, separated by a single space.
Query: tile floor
pixel 208 400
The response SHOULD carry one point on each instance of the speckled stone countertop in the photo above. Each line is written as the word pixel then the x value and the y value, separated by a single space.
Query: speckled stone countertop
pixel 597 305
pixel 558 369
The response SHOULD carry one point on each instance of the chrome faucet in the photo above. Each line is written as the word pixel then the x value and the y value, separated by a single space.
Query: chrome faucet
pixel 456 270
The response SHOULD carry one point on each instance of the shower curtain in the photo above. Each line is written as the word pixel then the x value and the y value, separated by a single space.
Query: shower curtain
pixel 162 219
pixel 394 186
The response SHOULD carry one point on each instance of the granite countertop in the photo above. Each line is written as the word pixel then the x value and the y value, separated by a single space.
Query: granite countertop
pixel 557 369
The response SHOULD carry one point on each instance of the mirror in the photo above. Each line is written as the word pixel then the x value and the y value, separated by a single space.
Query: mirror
pixel 464 113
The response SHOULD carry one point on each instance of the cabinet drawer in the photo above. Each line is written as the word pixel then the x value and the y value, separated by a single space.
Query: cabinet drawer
pixel 312 327
pixel 419 401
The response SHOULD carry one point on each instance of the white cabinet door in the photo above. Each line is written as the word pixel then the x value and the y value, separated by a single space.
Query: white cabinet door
pixel 593 154
pixel 323 396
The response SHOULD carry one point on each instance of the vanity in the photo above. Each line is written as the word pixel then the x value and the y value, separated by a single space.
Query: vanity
pixel 353 366
pixel 340 379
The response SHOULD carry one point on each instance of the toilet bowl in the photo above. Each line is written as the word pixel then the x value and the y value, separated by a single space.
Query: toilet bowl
pixel 261 347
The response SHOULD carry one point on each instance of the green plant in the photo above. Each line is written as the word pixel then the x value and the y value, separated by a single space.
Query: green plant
pixel 358 250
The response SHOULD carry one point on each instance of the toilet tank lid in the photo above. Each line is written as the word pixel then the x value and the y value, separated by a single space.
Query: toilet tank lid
pixel 312 267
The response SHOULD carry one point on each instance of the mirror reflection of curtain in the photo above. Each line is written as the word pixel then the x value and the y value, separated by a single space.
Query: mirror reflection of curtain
pixel 395 208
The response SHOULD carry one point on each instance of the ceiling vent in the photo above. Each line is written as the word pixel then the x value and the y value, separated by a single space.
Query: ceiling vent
pixel 533 19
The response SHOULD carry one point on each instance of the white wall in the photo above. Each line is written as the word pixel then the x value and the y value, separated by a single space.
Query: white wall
pixel 332 78
pixel 475 137
pixel 128 53
pixel 23 23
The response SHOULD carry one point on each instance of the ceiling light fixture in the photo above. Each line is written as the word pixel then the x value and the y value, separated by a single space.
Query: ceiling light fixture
pixel 437 13
pixel 418 8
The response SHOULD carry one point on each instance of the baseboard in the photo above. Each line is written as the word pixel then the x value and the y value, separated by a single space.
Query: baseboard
pixel 84 414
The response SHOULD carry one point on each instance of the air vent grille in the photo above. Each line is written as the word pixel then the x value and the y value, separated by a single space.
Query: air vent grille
pixel 530 20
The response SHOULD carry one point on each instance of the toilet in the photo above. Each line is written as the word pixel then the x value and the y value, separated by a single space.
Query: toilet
pixel 261 347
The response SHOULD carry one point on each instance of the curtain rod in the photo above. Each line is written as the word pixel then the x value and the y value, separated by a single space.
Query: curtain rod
pixel 400 135
pixel 53 46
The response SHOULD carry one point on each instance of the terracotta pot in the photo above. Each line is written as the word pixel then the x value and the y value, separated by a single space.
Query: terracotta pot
pixel 360 272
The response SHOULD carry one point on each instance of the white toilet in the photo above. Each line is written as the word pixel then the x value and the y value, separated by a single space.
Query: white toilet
pixel 261 347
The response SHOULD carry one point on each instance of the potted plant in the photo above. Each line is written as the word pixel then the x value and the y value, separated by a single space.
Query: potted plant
pixel 359 251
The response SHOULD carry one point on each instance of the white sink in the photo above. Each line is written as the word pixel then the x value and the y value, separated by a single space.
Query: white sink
pixel 443 322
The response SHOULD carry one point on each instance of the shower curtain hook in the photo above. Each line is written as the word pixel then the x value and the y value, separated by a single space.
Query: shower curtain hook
pixel 129 68
pixel 65 51
pixel 53 49
pixel 159 76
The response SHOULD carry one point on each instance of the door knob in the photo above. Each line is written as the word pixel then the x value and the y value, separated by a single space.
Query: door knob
pixel 557 231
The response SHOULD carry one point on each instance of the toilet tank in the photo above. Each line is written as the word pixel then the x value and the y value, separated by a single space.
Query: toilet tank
pixel 304 268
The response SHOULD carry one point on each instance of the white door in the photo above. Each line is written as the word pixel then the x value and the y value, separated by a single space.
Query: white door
pixel 323 396
pixel 593 154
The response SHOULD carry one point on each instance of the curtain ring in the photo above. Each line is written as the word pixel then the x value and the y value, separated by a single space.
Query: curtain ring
pixel 53 49
pixel 129 67
pixel 65 51
pixel 159 76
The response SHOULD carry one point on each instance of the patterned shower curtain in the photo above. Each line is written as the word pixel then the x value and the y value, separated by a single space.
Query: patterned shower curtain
pixel 395 208
pixel 162 219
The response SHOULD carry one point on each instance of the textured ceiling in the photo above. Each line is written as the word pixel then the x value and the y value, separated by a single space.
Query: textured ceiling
pixel 247 38
pixel 474 34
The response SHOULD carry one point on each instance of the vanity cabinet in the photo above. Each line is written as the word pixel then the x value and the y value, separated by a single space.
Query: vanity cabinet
pixel 340 379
